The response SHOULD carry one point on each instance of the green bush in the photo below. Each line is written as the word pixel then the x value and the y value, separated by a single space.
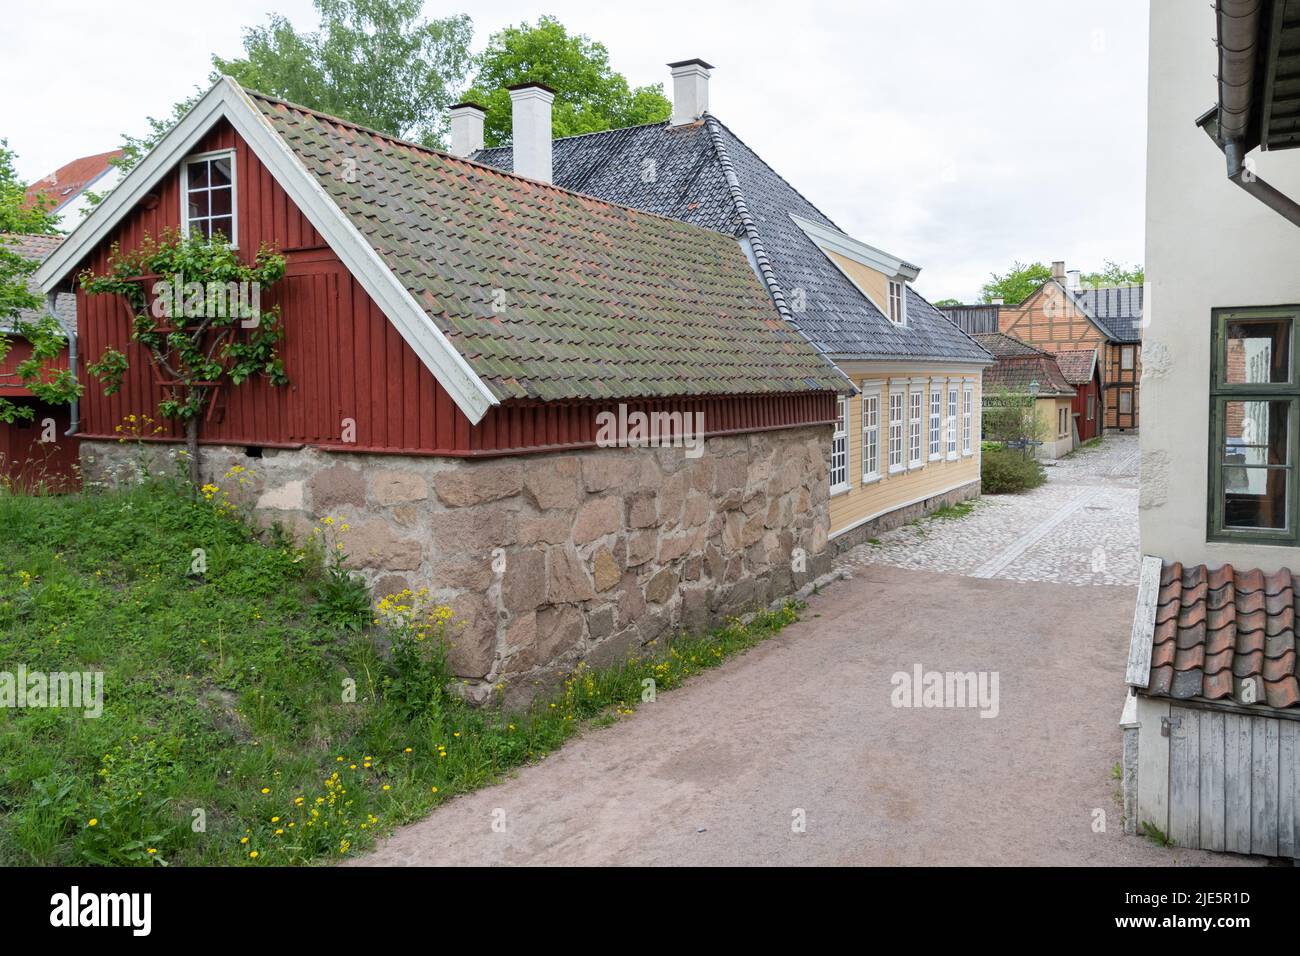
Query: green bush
pixel 1005 471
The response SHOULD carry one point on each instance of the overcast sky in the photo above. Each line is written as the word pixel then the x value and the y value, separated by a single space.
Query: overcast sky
pixel 957 134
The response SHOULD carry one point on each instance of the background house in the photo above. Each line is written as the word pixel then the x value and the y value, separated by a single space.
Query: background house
pixel 1212 720
pixel 40 451
pixel 909 440
pixel 1082 370
pixel 1063 315
pixel 452 333
pixel 1021 373
pixel 66 189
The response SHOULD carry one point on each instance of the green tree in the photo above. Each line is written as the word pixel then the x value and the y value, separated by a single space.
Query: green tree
pixel 51 385
pixel 945 303
pixel 377 63
pixel 196 310
pixel 1017 284
pixel 1115 274
pixel 589 95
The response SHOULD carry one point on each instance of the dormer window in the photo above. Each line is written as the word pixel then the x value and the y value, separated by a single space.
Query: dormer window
pixel 208 196
pixel 897 307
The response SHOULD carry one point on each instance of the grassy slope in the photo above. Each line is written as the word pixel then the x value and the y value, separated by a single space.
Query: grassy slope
pixel 222 695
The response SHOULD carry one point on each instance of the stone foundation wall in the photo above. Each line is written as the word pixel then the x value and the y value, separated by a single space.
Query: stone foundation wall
pixel 901 516
pixel 549 559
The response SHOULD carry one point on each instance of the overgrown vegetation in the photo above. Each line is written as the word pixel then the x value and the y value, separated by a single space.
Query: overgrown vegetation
pixel 1005 471
pixel 248 718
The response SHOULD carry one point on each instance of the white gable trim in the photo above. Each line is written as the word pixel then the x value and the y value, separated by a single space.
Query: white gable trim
pixel 826 238
pixel 227 99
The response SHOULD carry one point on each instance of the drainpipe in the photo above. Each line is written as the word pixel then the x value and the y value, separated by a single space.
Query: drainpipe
pixel 74 410
pixel 1238 65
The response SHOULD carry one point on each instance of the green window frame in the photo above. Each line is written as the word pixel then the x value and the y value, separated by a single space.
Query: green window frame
pixel 1233 476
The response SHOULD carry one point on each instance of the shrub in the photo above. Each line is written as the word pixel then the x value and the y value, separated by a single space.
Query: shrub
pixel 1005 471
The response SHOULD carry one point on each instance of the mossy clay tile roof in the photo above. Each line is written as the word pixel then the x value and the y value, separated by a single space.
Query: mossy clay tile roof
pixel 550 294
pixel 1226 634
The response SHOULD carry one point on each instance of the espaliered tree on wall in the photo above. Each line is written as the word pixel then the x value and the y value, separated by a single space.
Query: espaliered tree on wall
pixel 196 312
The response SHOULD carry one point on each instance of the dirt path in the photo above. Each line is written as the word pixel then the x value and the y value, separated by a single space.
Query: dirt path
pixel 714 773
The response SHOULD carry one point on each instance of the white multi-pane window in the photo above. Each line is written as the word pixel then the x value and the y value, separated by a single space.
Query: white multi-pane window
pixel 897 309
pixel 840 448
pixel 936 413
pixel 208 195
pixel 915 407
pixel 895 431
pixel 952 421
pixel 870 432
pixel 967 418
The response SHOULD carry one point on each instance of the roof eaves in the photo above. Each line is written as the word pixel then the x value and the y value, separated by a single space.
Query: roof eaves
pixel 227 99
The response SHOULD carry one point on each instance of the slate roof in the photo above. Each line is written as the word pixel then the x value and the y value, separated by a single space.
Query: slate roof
pixel 703 174
pixel 37 248
pixel 1218 631
pixel 67 182
pixel 1077 365
pixel 1117 309
pixel 597 301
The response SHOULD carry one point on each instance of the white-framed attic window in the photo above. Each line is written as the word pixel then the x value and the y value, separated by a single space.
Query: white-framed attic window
pixel 898 302
pixel 208 199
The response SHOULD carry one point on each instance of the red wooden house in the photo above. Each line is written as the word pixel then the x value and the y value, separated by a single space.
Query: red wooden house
pixel 1082 370
pixel 452 333
pixel 39 452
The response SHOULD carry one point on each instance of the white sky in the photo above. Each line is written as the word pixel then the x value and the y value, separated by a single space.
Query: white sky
pixel 957 134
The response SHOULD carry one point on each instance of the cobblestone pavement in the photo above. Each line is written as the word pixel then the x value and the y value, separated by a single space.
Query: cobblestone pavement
pixel 1081 527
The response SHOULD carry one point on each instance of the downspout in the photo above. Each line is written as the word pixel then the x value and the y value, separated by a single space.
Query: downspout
pixel 1238 66
pixel 74 409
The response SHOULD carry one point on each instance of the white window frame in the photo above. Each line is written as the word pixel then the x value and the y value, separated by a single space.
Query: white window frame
pixel 233 238
pixel 870 431
pixel 967 418
pixel 915 425
pixel 936 420
pixel 896 300
pixel 840 447
pixel 1127 358
pixel 897 429
pixel 953 409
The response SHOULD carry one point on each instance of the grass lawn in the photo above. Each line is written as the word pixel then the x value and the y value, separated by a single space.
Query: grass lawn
pixel 230 733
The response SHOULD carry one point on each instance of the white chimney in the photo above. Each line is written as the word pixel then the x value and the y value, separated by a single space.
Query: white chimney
pixel 690 90
pixel 997 300
pixel 530 129
pixel 466 129
pixel 1072 281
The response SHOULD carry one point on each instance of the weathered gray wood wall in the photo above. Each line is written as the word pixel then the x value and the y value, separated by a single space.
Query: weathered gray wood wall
pixel 1220 780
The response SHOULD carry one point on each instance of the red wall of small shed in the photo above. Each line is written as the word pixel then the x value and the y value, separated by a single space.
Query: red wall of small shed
pixel 343 358
pixel 1088 429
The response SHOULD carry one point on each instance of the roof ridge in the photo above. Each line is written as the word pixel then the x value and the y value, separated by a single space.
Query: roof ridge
pixel 787 182
pixel 420 147
pixel 747 222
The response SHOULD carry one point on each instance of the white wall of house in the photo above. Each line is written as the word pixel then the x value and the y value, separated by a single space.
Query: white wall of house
pixel 1208 245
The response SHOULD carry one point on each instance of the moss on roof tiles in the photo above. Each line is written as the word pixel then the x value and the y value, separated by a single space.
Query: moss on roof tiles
pixel 599 300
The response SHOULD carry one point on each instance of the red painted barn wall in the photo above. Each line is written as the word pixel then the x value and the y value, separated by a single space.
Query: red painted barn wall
pixel 343 358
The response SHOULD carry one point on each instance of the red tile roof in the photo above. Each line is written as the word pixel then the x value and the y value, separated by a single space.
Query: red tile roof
pixel 65 183
pixel 1226 635
pixel 1077 365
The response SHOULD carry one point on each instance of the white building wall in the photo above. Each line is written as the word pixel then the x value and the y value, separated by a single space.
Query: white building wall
pixel 1208 245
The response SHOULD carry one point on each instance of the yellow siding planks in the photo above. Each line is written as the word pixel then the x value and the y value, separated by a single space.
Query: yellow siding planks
pixel 862 502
